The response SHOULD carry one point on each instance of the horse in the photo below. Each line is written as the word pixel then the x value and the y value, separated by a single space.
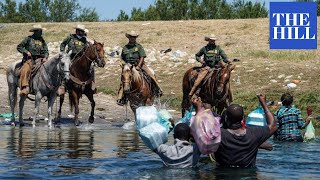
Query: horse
pixel 214 90
pixel 81 78
pixel 44 83
pixel 136 87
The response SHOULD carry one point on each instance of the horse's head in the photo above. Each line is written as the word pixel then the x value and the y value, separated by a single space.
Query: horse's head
pixel 64 65
pixel 126 77
pixel 223 77
pixel 99 54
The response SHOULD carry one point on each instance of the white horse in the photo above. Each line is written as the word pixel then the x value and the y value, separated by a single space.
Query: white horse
pixel 44 83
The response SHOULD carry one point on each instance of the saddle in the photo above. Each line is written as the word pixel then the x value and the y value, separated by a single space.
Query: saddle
pixel 36 66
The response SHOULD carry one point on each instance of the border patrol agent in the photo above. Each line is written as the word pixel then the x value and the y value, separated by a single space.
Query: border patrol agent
pixel 33 47
pixel 212 55
pixel 134 54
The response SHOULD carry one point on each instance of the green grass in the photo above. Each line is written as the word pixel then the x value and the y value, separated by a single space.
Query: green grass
pixel 283 55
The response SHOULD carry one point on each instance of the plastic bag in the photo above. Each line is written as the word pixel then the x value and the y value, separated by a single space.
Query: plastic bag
pixel 186 119
pixel 205 129
pixel 163 118
pixel 257 117
pixel 145 116
pixel 310 132
pixel 153 135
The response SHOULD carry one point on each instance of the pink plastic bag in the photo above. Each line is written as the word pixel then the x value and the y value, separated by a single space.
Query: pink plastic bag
pixel 205 129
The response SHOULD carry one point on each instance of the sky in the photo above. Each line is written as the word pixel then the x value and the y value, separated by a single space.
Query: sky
pixel 110 9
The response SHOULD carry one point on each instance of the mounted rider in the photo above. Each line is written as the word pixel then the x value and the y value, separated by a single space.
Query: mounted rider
pixel 32 47
pixel 75 43
pixel 212 56
pixel 134 54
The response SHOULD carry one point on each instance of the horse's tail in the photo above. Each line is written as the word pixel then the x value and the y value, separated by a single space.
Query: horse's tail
pixel 12 87
pixel 71 102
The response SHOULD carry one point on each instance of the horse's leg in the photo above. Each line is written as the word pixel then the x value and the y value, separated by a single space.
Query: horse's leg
pixel 21 104
pixel 76 107
pixel 60 106
pixel 37 107
pixel 12 99
pixel 93 104
pixel 51 100
pixel 185 104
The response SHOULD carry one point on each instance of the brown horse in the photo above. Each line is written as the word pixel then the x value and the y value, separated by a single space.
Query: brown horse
pixel 81 79
pixel 136 87
pixel 214 90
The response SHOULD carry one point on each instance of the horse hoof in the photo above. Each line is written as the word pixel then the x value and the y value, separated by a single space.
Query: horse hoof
pixel 77 123
pixel 91 119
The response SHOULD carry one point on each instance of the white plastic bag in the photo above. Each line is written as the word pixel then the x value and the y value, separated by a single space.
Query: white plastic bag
pixel 145 116
pixel 310 132
pixel 153 135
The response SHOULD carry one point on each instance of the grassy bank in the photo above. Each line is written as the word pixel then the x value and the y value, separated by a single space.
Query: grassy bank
pixel 259 70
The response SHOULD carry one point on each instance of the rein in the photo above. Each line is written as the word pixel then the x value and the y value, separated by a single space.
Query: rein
pixel 77 80
pixel 49 75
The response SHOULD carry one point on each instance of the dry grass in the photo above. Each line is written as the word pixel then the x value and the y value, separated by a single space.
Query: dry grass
pixel 246 40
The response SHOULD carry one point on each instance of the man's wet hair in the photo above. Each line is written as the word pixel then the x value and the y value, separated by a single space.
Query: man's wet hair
pixel 182 132
pixel 286 99
pixel 233 116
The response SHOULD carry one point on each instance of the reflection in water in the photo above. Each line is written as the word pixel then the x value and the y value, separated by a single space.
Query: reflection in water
pixel 128 141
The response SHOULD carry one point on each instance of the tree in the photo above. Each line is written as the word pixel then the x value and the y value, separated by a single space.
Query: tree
pixel 122 16
pixel 45 10
pixel 137 15
pixel 89 15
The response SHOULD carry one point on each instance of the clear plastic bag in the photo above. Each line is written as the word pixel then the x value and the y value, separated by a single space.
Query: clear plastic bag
pixel 310 132
pixel 153 135
pixel 257 117
pixel 145 116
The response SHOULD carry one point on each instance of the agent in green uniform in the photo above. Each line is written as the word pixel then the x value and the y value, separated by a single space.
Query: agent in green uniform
pixel 134 54
pixel 75 43
pixel 212 55
pixel 33 47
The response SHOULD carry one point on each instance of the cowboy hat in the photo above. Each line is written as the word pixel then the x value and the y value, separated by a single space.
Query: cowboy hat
pixel 132 34
pixel 37 27
pixel 86 30
pixel 210 37
pixel 81 27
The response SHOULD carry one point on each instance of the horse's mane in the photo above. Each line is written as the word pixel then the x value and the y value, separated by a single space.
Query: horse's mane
pixel 135 74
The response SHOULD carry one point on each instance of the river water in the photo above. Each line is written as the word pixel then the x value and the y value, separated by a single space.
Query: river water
pixel 106 151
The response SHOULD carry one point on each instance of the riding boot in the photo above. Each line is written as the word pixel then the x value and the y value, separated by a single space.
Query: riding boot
pixel 24 91
pixel 25 73
pixel 62 89
pixel 197 82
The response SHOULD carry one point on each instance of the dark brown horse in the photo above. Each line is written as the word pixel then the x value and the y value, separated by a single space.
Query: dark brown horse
pixel 214 90
pixel 81 78
pixel 136 87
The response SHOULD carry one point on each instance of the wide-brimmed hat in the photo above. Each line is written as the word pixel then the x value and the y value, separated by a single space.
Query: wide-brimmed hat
pixel 81 27
pixel 210 37
pixel 86 30
pixel 37 27
pixel 132 34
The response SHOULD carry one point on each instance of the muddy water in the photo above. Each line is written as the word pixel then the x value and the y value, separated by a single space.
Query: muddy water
pixel 107 151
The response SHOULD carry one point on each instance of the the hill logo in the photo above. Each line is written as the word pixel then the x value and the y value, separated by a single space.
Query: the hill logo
pixel 293 25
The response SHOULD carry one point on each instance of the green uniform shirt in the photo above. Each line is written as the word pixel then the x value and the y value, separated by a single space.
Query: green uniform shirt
pixel 36 46
pixel 74 43
pixel 132 53
pixel 212 55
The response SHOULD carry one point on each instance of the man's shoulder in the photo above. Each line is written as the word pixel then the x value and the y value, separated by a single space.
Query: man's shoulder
pixel 139 45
